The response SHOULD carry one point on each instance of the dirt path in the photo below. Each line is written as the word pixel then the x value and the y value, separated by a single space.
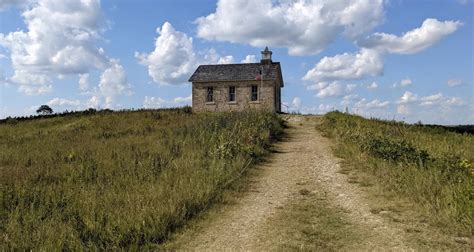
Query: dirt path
pixel 304 158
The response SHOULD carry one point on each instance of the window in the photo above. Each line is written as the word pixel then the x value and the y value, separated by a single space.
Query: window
pixel 232 93
pixel 210 94
pixel 254 94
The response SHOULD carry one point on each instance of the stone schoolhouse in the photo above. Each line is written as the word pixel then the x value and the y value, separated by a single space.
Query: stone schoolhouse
pixel 236 87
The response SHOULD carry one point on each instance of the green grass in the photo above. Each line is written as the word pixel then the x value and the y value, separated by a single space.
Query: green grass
pixel 310 223
pixel 432 167
pixel 122 179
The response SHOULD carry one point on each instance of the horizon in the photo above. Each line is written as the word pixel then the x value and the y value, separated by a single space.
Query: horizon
pixel 393 60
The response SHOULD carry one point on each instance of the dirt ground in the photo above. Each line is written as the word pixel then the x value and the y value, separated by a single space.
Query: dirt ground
pixel 303 161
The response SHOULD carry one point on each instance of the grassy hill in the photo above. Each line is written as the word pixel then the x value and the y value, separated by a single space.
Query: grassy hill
pixel 432 166
pixel 119 179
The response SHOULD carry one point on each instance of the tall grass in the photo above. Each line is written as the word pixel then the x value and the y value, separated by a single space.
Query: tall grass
pixel 119 180
pixel 431 166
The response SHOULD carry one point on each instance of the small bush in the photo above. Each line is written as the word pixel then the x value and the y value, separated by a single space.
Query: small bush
pixel 395 151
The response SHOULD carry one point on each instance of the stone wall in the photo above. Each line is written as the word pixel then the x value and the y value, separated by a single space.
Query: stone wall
pixel 243 94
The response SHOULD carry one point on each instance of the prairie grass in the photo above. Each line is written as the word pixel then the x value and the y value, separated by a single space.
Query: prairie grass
pixel 122 179
pixel 432 167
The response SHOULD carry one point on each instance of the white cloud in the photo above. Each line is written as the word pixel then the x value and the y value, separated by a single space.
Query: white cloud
pixel 229 59
pixel 249 59
pixel 63 102
pixel 374 104
pixel 346 100
pixel 369 60
pixel 113 82
pixel 403 109
pixel 407 104
pixel 60 39
pixel 454 101
pixel 158 102
pixel 350 87
pixel 5 4
pixel 296 103
pixel 334 89
pixel 431 99
pixel 94 102
pixel 347 66
pixel 406 82
pixel 373 86
pixel 416 40
pixel 173 59
pixel 454 82
pixel 83 81
pixel 181 100
pixel 154 102
pixel 408 97
pixel 403 83
pixel 304 27
pixel 331 89
pixel 323 108
pixel 35 89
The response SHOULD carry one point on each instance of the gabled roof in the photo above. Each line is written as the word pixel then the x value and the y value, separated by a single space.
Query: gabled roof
pixel 237 72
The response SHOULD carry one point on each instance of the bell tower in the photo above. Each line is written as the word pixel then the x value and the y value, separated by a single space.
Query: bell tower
pixel 266 56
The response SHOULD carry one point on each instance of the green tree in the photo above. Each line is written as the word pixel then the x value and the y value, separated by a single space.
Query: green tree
pixel 44 110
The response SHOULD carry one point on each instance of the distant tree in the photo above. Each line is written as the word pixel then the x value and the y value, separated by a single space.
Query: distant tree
pixel 44 110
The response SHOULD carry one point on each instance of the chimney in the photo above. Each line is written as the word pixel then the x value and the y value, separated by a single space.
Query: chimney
pixel 266 56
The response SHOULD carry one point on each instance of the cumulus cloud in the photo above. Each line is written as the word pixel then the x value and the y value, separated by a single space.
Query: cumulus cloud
pixel 83 81
pixel 416 40
pixel 304 27
pixel 5 4
pixel 408 102
pixel 158 102
pixel 229 59
pixel 174 58
pixel 296 103
pixel 408 97
pixel 402 83
pixel 368 61
pixel 454 82
pixel 249 59
pixel 406 82
pixel 374 104
pixel 60 39
pixel 63 102
pixel 348 99
pixel 347 66
pixel 373 86
pixel 334 89
pixel 113 82
pixel 183 100
pixel 35 89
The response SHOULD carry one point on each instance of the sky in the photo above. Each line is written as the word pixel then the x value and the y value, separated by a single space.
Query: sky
pixel 390 59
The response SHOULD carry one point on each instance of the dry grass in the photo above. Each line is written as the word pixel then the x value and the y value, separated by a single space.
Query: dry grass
pixel 431 167
pixel 119 180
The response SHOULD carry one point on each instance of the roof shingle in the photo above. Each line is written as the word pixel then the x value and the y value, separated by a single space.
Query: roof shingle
pixel 236 72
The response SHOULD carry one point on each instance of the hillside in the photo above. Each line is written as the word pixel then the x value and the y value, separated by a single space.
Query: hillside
pixel 119 179
pixel 430 165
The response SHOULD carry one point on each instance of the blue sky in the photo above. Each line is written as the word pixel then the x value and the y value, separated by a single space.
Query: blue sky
pixel 408 60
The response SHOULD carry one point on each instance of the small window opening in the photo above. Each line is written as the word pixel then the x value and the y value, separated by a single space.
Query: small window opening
pixel 254 94
pixel 210 94
pixel 232 93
